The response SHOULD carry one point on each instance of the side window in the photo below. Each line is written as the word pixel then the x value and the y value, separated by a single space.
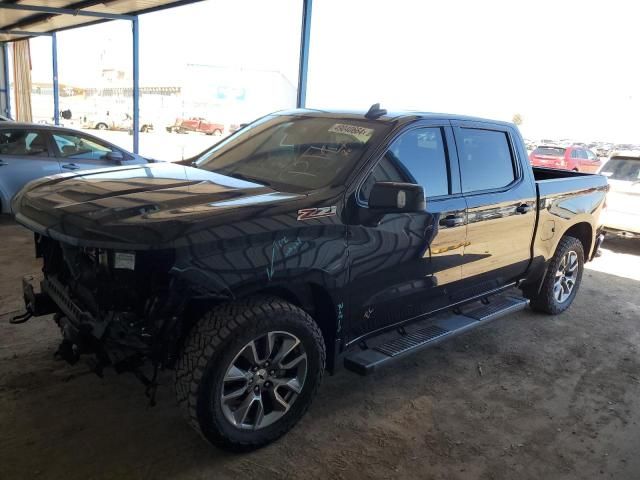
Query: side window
pixel 583 154
pixel 23 142
pixel 574 153
pixel 485 158
pixel 417 156
pixel 76 146
pixel 591 155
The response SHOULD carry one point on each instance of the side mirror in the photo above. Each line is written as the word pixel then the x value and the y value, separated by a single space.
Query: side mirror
pixel 115 157
pixel 396 197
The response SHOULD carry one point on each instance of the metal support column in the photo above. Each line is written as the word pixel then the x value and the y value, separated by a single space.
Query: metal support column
pixel 56 89
pixel 7 83
pixel 304 53
pixel 136 86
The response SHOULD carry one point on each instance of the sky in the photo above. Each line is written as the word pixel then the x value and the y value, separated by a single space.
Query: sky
pixel 571 69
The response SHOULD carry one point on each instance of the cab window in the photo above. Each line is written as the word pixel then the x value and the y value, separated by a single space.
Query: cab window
pixel 417 156
pixel 486 162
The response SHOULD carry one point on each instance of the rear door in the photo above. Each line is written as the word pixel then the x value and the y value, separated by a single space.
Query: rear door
pixel 500 197
pixel 404 265
pixel 79 152
pixel 25 155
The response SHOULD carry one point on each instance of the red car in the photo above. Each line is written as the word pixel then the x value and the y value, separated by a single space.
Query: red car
pixel 574 158
pixel 196 124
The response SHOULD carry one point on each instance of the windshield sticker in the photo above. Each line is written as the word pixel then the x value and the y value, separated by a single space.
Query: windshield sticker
pixel 362 134
pixel 319 212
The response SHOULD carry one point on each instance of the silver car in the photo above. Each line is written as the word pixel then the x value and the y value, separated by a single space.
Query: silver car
pixel 30 151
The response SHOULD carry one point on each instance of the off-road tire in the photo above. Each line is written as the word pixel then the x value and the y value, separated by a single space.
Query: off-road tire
pixel 210 348
pixel 545 301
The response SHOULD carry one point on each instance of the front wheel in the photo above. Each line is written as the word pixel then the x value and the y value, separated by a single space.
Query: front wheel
pixel 249 372
pixel 562 279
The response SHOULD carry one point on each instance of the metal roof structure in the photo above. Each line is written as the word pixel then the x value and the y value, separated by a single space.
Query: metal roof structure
pixel 20 19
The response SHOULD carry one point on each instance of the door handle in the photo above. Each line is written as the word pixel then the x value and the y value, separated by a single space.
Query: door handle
pixel 452 221
pixel 70 166
pixel 3 163
pixel 524 208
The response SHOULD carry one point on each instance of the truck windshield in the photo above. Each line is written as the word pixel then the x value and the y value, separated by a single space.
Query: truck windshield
pixel 294 153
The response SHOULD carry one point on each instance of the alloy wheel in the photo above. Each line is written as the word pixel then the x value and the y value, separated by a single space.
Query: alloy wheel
pixel 264 380
pixel 566 276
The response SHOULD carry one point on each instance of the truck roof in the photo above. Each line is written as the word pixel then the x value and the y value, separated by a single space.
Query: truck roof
pixel 389 117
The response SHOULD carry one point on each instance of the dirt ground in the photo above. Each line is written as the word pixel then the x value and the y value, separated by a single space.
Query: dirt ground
pixel 528 396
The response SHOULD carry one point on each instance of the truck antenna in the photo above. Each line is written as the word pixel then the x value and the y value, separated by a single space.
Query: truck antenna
pixel 375 112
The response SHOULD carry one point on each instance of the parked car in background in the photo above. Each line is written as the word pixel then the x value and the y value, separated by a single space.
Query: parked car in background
pixel 109 121
pixel 576 158
pixel 30 151
pixel 622 215
pixel 196 124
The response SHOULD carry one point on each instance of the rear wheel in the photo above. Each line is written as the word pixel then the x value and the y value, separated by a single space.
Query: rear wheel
pixel 562 279
pixel 249 372
pixel 102 126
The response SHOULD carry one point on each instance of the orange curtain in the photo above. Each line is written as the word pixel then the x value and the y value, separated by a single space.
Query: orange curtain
pixel 22 80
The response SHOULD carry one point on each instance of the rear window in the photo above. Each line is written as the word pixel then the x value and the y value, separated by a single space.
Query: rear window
pixel 622 168
pixel 485 159
pixel 552 151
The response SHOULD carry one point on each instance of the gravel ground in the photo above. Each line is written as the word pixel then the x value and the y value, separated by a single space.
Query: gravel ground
pixel 528 396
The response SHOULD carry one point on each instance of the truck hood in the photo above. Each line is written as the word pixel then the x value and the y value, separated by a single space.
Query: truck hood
pixel 148 206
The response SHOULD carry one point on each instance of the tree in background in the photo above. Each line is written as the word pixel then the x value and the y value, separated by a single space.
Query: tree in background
pixel 517 119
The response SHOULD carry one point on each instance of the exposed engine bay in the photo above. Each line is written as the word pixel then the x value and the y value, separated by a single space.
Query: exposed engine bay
pixel 122 307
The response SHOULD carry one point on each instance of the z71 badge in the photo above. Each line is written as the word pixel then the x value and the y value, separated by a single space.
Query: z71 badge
pixel 319 212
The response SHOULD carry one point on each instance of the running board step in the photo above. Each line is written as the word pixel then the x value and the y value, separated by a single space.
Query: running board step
pixel 439 329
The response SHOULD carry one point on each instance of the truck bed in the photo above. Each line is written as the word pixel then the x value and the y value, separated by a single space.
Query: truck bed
pixel 564 198
pixel 551 182
pixel 541 173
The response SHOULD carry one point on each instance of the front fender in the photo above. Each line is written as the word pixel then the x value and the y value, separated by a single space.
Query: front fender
pixel 251 256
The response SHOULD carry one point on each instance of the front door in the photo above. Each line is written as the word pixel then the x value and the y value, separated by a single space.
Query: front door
pixel 404 266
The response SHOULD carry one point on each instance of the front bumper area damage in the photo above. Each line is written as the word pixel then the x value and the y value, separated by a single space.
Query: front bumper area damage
pixel 115 337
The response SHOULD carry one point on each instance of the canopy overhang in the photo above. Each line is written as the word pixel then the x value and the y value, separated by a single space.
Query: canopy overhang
pixel 21 19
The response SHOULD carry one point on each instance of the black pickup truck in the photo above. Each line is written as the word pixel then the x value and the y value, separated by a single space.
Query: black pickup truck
pixel 305 239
